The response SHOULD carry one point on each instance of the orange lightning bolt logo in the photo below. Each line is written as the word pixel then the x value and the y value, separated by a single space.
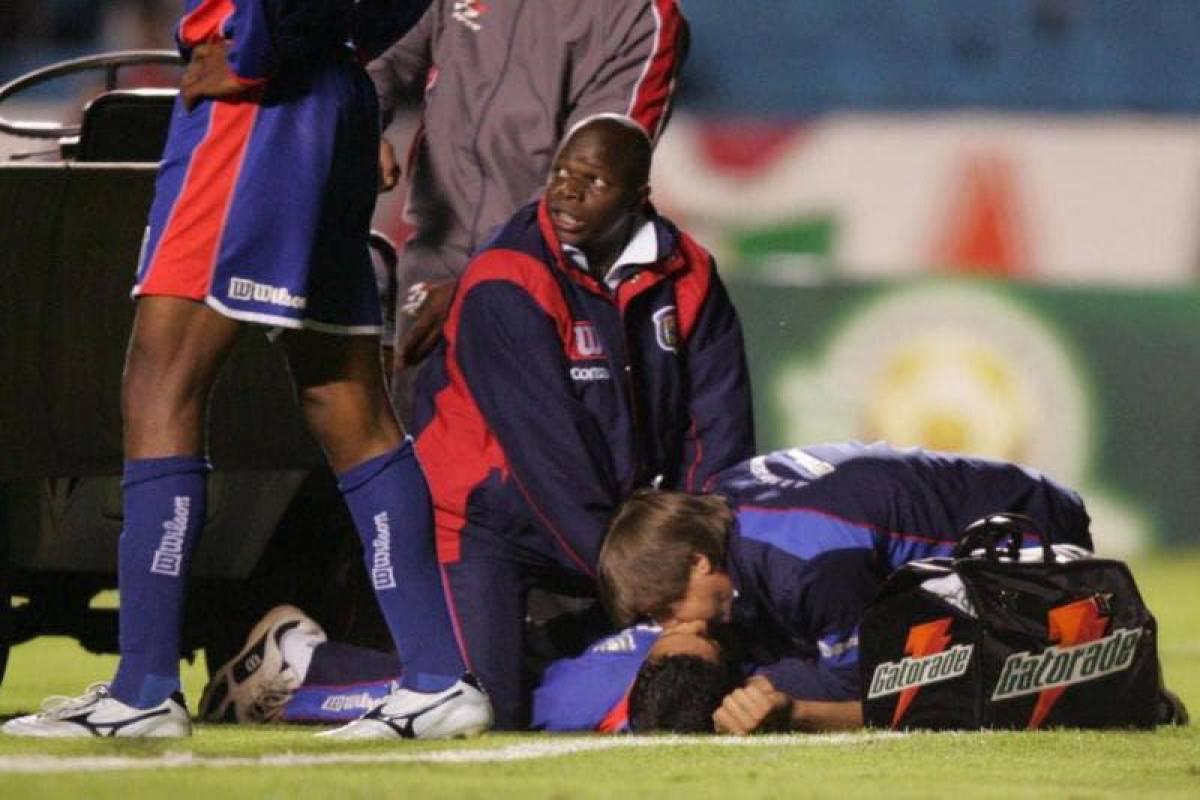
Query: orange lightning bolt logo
pixel 923 640
pixel 1072 624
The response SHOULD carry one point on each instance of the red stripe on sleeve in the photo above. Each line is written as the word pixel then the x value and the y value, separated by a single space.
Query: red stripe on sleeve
pixel 188 248
pixel 204 22
pixel 652 97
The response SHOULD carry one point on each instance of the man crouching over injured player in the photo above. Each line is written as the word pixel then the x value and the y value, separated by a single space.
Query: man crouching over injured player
pixel 786 553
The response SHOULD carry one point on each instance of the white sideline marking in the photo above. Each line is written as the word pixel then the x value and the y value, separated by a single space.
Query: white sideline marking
pixel 515 752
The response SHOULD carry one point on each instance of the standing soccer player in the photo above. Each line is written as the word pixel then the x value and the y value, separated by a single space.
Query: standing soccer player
pixel 261 215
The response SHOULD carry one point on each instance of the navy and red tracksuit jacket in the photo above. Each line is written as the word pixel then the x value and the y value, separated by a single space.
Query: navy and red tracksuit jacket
pixel 552 397
pixel 820 528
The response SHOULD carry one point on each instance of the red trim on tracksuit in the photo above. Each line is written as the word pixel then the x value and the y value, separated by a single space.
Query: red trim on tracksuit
pixel 204 22
pixel 548 523
pixel 447 431
pixel 692 288
pixel 183 261
pixel 651 100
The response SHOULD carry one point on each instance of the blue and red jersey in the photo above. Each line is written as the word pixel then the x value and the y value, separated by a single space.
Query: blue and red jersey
pixel 552 396
pixel 819 528
pixel 590 692
pixel 263 200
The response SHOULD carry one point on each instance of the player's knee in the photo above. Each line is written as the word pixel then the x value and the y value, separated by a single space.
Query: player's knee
pixel 348 420
pixel 159 392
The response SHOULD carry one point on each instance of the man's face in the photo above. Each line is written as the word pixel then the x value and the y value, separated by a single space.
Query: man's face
pixel 709 596
pixel 589 194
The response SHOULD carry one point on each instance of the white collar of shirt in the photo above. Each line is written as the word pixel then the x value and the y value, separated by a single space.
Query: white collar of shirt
pixel 640 250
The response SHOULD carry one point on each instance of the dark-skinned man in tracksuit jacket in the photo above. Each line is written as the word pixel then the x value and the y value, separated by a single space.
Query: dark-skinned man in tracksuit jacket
pixel 590 350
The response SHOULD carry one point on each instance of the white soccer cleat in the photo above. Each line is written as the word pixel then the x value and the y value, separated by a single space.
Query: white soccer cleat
pixel 257 683
pixel 98 713
pixel 462 710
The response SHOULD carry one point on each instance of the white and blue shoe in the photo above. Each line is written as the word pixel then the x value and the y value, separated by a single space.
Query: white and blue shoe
pixel 98 713
pixel 462 710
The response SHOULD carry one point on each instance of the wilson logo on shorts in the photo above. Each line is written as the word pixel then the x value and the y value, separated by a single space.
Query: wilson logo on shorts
pixel 1083 654
pixel 585 345
pixel 248 290
pixel 928 662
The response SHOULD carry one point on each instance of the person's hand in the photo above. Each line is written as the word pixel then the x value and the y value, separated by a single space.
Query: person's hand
pixel 757 706
pixel 389 167
pixel 428 305
pixel 208 74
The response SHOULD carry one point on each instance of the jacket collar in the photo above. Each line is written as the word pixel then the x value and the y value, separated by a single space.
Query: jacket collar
pixel 641 252
pixel 669 258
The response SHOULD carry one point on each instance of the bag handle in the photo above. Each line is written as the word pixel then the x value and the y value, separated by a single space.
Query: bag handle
pixel 994 529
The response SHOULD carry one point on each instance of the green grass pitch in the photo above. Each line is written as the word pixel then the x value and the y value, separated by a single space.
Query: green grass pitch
pixel 228 761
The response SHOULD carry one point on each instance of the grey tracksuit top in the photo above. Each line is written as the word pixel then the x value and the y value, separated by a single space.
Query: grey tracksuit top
pixel 503 80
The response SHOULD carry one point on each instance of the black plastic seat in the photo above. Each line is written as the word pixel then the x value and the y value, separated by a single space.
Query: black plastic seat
pixel 126 125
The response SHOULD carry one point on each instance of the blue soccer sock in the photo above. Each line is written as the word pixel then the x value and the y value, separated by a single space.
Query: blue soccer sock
pixel 341 682
pixel 389 501
pixel 164 501
pixel 341 664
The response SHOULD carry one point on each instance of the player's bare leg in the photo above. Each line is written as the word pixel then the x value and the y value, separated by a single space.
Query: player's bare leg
pixel 175 351
pixel 339 381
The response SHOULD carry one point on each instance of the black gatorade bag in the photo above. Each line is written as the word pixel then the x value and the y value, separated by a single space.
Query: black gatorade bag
pixel 1004 637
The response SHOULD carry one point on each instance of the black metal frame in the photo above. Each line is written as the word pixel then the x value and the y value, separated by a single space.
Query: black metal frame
pixel 111 63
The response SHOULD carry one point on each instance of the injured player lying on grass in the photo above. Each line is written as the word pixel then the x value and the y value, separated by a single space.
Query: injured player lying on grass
pixel 642 678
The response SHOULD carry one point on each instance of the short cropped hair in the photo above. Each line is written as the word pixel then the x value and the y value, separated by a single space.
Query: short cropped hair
pixel 680 693
pixel 636 148
pixel 646 557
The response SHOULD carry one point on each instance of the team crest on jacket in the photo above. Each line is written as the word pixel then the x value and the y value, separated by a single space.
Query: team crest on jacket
pixel 468 13
pixel 585 343
pixel 666 328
